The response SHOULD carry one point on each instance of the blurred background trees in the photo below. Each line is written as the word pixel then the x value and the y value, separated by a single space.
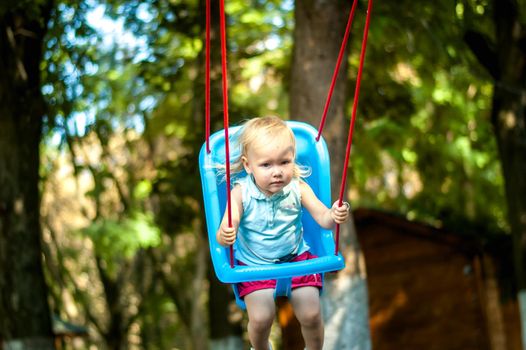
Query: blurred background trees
pixel 112 155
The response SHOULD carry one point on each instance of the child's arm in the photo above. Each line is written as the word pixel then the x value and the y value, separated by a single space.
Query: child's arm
pixel 226 236
pixel 324 216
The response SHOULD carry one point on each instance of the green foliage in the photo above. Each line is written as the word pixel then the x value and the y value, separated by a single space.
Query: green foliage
pixel 142 190
pixel 424 145
pixel 69 56
pixel 116 241
pixel 260 41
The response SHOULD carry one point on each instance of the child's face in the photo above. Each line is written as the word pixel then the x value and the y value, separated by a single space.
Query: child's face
pixel 271 164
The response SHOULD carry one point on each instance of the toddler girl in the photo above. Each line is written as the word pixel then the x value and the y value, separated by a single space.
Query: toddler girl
pixel 266 218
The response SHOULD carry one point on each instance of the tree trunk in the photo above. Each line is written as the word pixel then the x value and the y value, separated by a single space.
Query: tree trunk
pixel 319 30
pixel 507 66
pixel 25 321
pixel 508 108
pixel 509 121
pixel 115 336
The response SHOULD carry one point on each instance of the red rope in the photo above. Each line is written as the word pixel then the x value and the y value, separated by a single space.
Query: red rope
pixel 353 117
pixel 225 119
pixel 324 116
pixel 337 69
pixel 207 78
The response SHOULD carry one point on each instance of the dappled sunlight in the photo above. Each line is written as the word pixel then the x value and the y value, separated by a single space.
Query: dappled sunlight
pixel 235 314
pixel 383 316
pixel 355 266
pixel 69 205
pixel 508 119
pixel 404 72
pixel 412 182
pixel 396 180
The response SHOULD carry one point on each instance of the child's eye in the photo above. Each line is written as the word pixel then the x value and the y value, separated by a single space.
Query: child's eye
pixel 265 165
pixel 285 162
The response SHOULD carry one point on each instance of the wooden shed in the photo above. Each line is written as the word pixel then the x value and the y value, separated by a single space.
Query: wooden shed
pixel 433 289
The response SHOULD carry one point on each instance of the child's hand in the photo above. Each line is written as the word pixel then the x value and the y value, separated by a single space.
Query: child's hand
pixel 227 235
pixel 340 214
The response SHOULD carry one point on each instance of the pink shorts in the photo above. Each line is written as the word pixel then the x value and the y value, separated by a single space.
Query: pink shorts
pixel 314 280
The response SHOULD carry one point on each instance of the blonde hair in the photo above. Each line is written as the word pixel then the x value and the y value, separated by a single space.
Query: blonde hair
pixel 267 130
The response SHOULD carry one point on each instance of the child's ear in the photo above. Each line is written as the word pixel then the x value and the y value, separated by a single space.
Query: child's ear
pixel 245 164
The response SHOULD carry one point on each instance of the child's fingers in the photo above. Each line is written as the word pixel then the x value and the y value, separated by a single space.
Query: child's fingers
pixel 229 240
pixel 345 206
pixel 340 213
pixel 343 215
pixel 227 229
pixel 341 210
pixel 228 234
pixel 340 220
pixel 231 234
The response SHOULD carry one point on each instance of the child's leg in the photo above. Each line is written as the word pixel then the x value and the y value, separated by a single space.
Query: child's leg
pixel 261 311
pixel 306 304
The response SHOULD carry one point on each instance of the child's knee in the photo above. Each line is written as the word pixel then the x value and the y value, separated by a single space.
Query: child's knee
pixel 310 317
pixel 261 321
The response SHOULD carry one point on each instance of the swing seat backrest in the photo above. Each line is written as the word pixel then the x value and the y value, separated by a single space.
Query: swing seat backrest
pixel 310 153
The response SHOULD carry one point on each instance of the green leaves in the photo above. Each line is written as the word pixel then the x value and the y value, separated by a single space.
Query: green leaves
pixel 424 144
pixel 116 241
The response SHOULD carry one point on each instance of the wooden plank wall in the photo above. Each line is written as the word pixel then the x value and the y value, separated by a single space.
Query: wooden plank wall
pixel 426 291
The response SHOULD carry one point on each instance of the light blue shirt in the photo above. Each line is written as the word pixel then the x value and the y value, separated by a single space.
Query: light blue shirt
pixel 271 226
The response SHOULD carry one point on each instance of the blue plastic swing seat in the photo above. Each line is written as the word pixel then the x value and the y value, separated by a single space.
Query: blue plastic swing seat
pixel 310 153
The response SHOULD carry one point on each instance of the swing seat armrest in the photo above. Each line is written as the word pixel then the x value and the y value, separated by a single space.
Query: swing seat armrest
pixel 243 273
